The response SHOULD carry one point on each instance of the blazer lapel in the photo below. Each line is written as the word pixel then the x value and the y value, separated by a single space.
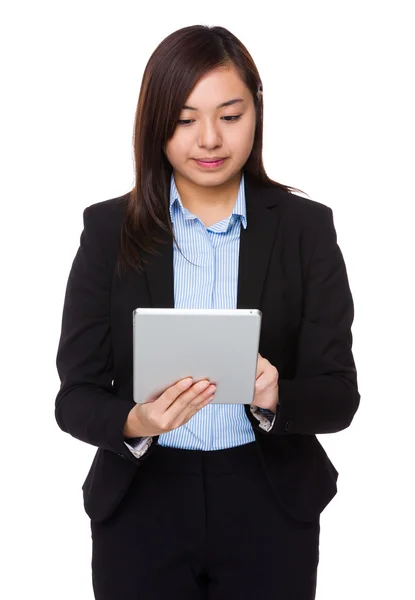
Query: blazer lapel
pixel 256 243
pixel 159 273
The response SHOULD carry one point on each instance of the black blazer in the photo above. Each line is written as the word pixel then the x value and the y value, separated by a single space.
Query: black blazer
pixel 291 268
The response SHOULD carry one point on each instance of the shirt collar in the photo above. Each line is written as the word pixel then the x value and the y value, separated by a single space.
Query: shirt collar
pixel 239 208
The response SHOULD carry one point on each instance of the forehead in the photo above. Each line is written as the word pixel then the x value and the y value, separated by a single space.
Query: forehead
pixel 217 86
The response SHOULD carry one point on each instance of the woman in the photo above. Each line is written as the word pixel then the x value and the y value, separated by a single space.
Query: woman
pixel 189 499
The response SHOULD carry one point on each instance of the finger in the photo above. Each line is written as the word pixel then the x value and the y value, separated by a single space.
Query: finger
pixel 173 392
pixel 260 367
pixel 181 403
pixel 261 383
pixel 203 397
pixel 195 395
pixel 268 378
pixel 181 412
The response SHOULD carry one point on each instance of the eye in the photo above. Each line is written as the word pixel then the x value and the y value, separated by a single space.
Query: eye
pixel 233 118
pixel 228 118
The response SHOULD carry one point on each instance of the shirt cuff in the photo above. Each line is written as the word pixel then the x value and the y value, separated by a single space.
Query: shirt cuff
pixel 139 446
pixel 265 417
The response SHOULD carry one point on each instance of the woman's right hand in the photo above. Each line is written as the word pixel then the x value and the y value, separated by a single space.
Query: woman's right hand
pixel 176 406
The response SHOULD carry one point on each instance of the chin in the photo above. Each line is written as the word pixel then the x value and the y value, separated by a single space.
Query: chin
pixel 212 177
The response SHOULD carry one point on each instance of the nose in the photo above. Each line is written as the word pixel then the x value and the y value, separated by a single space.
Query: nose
pixel 209 135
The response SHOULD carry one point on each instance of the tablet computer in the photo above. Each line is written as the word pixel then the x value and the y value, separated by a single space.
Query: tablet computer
pixel 170 344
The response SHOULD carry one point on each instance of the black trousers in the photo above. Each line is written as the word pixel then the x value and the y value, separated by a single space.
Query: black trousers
pixel 203 525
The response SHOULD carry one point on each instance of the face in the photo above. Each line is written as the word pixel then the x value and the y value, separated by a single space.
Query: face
pixel 207 130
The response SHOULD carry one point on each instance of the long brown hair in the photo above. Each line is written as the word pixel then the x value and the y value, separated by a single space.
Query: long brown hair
pixel 171 73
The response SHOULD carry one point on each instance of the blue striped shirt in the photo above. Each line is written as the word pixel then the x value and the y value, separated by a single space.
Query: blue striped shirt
pixel 210 282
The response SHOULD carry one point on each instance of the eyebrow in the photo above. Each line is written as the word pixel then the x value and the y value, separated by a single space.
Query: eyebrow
pixel 227 103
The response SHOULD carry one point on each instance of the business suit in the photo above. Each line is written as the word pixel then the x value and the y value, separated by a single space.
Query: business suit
pixel 291 268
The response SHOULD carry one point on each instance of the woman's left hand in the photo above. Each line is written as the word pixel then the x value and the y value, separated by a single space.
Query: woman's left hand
pixel 266 386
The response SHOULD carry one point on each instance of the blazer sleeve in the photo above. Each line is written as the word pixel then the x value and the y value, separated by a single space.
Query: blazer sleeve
pixel 323 396
pixel 85 405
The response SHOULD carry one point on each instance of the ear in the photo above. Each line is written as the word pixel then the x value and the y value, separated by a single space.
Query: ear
pixel 259 92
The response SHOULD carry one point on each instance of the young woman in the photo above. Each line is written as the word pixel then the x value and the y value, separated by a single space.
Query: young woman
pixel 189 499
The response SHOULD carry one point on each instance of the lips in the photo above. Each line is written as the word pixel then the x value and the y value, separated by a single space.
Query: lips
pixel 208 160
pixel 210 163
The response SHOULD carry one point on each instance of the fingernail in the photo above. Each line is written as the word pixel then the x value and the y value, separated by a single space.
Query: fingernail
pixel 203 385
pixel 186 382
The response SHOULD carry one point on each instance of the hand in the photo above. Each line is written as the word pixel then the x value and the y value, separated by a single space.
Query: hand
pixel 266 386
pixel 176 406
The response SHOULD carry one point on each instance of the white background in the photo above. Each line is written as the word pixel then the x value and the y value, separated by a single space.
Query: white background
pixel 339 124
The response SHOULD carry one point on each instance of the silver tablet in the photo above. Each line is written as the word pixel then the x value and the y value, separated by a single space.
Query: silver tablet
pixel 220 345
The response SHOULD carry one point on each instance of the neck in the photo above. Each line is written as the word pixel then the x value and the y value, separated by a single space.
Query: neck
pixel 202 199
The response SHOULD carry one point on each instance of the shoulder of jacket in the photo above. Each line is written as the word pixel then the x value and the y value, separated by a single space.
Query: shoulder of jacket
pixel 104 219
pixel 303 214
pixel 303 205
pixel 107 213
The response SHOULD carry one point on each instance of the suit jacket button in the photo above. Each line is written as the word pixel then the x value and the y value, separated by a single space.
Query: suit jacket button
pixel 288 425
